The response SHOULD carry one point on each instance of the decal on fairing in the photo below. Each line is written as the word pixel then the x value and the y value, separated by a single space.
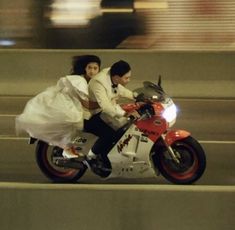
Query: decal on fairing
pixel 144 138
pixel 148 132
pixel 123 143
pixel 157 122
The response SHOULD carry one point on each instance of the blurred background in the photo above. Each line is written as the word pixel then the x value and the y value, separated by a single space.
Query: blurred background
pixel 118 24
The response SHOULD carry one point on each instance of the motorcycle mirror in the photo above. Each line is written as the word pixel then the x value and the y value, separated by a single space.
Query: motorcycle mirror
pixel 159 81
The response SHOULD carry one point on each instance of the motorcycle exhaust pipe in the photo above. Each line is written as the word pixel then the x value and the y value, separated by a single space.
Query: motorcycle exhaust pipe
pixel 70 163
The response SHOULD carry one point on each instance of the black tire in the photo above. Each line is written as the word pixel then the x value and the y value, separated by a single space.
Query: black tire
pixel 192 161
pixel 44 156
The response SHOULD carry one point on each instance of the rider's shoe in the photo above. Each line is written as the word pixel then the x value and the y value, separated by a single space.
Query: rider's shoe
pixel 91 155
pixel 89 163
pixel 97 166
pixel 89 159
pixel 71 153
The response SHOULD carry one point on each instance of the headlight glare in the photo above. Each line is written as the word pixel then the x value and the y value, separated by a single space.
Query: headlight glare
pixel 170 113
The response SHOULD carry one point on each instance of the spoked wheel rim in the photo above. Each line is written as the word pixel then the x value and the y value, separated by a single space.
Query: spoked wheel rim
pixel 188 162
pixel 49 156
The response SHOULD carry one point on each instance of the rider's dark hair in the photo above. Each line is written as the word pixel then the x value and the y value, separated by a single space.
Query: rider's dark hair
pixel 80 62
pixel 119 68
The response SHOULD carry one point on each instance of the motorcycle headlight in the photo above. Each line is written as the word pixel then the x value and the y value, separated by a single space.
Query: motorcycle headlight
pixel 170 113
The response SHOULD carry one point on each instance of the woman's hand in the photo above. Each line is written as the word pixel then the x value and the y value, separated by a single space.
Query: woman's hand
pixel 134 115
pixel 88 104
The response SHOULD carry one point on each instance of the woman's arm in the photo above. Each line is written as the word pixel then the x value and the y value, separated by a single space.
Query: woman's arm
pixel 88 104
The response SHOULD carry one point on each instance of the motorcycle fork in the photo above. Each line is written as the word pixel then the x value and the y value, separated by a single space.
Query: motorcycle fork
pixel 171 152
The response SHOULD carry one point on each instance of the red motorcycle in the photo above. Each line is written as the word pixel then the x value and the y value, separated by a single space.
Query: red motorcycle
pixel 144 148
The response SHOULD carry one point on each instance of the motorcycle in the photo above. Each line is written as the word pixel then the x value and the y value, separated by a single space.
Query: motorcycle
pixel 144 148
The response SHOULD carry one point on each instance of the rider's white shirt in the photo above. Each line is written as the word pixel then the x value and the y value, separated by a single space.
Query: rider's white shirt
pixel 100 90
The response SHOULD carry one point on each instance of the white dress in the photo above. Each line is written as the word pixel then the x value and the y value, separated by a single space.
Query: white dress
pixel 56 114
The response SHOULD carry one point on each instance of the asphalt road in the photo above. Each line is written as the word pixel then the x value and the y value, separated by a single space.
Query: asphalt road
pixel 209 121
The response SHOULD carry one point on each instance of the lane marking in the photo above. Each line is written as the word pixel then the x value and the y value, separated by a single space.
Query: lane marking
pixel 8 115
pixel 204 99
pixel 13 138
pixel 200 141
pixel 216 142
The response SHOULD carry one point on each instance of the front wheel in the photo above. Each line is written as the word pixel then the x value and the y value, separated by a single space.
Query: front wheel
pixel 46 156
pixel 191 165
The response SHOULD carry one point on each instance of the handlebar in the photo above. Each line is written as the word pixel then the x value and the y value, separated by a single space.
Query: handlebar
pixel 145 111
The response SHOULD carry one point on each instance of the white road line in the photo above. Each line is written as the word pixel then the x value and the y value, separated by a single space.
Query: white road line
pixel 204 99
pixel 13 138
pixel 8 115
pixel 200 141
pixel 216 142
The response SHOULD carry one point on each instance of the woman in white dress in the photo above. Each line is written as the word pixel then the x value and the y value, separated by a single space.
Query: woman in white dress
pixel 56 115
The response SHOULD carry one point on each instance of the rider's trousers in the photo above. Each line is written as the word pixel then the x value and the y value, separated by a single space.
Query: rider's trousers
pixel 106 134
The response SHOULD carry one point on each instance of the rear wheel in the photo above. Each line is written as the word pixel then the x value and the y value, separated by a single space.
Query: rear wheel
pixel 47 155
pixel 191 165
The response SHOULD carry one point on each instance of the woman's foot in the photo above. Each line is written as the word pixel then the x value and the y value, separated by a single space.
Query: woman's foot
pixel 70 153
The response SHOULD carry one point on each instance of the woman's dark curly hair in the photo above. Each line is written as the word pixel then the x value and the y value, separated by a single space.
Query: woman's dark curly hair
pixel 79 63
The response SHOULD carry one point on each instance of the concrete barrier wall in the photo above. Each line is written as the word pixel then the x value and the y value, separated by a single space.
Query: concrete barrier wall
pixel 116 207
pixel 185 74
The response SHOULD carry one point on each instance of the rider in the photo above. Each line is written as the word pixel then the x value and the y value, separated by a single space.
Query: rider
pixel 57 114
pixel 106 88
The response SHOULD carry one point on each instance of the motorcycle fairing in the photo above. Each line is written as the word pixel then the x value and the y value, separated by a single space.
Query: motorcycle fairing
pixel 174 135
pixel 153 127
pixel 128 157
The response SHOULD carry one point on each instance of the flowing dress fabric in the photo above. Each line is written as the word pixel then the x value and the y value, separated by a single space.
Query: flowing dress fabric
pixel 56 114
